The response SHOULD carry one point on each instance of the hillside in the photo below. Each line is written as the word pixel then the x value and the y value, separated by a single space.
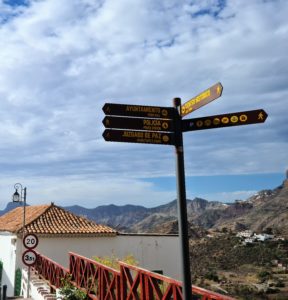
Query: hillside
pixel 140 219
pixel 119 217
pixel 266 209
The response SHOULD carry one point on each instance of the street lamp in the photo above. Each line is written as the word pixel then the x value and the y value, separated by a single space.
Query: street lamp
pixel 20 198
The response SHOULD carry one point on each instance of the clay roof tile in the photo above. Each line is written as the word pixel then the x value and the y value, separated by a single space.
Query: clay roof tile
pixel 49 219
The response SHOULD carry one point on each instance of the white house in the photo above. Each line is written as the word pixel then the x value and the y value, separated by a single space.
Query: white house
pixel 245 234
pixel 60 232
pixel 262 237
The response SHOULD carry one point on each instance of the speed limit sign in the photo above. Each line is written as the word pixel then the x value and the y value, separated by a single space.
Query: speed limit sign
pixel 29 257
pixel 30 241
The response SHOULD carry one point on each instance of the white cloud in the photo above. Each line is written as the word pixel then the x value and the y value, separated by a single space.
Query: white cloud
pixel 60 61
pixel 228 197
pixel 76 190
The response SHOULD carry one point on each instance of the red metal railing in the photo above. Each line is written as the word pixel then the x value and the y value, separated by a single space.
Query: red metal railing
pixel 98 280
pixel 104 283
pixel 139 284
pixel 50 270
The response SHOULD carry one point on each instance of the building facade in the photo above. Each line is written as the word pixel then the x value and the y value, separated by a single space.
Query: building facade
pixel 60 232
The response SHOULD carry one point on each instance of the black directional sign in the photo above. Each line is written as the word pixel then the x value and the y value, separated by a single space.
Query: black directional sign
pixel 164 126
pixel 202 99
pixel 146 137
pixel 225 120
pixel 138 123
pixel 139 111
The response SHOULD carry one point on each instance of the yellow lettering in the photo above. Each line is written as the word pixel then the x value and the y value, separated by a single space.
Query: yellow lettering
pixel 137 134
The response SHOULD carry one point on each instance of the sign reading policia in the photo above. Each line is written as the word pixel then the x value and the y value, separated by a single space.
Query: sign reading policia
pixel 164 126
pixel 156 125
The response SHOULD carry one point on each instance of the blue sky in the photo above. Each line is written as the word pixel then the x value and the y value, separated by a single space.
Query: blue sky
pixel 61 61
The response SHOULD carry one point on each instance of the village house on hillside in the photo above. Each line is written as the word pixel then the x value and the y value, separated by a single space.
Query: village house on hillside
pixel 60 232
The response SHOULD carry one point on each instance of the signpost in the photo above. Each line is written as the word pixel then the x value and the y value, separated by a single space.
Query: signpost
pixel 138 111
pixel 138 123
pixel 202 99
pixel 146 137
pixel 225 120
pixel 29 257
pixel 164 126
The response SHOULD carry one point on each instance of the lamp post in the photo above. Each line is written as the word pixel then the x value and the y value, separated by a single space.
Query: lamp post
pixel 21 198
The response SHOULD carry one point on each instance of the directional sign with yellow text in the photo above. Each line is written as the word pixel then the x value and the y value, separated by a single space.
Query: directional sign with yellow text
pixel 139 111
pixel 138 123
pixel 146 137
pixel 225 120
pixel 202 99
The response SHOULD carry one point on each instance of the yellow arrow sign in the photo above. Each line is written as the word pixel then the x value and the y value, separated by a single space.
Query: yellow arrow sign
pixel 202 99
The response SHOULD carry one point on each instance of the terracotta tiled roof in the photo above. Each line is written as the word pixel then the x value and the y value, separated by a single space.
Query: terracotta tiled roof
pixel 50 219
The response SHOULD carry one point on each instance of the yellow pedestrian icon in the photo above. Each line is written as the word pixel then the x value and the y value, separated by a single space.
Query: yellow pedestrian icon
pixel 260 116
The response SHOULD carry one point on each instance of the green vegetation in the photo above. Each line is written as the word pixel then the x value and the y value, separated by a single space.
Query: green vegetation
pixel 112 261
pixel 243 271
pixel 264 275
pixel 70 292
pixel 17 286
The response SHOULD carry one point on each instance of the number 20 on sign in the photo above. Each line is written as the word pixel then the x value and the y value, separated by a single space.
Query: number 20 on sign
pixel 30 241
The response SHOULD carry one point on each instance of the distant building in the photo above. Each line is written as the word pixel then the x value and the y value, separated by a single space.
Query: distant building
pixel 249 240
pixel 245 234
pixel 262 237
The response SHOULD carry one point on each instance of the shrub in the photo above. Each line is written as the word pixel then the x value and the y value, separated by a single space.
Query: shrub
pixel 69 292
pixel 263 275
pixel 212 275
pixel 112 261
pixel 17 286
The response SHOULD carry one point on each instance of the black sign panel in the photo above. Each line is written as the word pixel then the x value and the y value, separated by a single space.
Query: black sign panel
pixel 139 111
pixel 138 123
pixel 146 137
pixel 225 120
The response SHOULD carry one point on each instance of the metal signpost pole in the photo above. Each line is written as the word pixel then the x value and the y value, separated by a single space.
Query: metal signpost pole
pixel 24 220
pixel 182 205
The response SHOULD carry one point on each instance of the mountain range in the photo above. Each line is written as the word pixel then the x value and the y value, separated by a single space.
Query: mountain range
pixel 267 209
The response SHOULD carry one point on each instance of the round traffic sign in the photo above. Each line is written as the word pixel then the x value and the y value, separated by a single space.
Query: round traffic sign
pixel 30 241
pixel 29 257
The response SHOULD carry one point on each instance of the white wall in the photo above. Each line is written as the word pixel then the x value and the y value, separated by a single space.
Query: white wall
pixel 152 252
pixel 8 244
